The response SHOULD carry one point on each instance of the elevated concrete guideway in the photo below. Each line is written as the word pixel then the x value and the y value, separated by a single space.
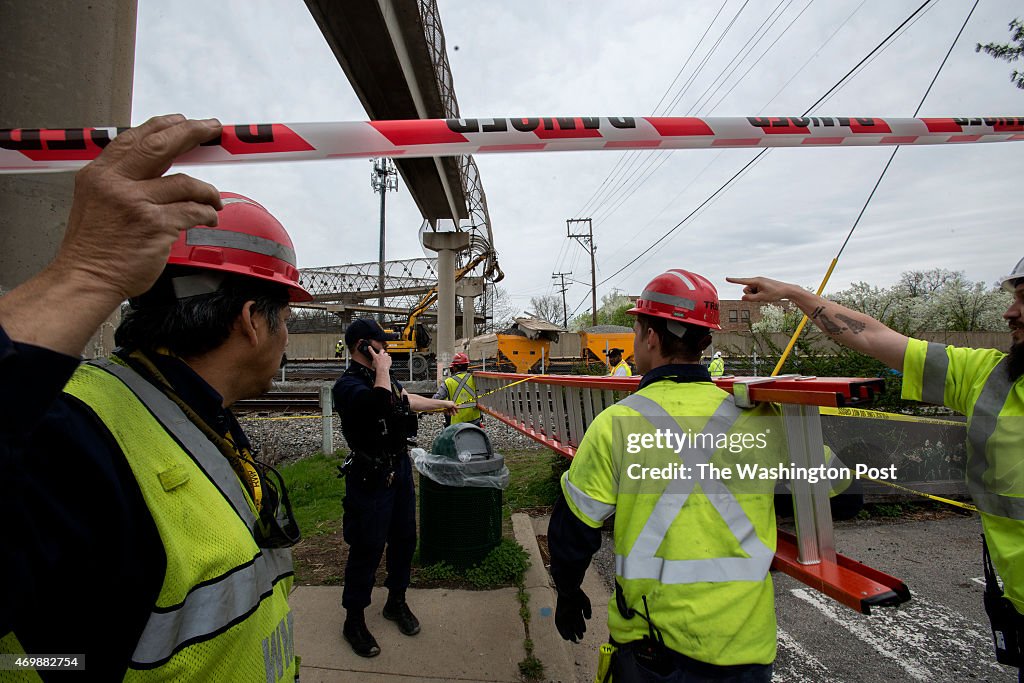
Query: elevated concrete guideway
pixel 382 48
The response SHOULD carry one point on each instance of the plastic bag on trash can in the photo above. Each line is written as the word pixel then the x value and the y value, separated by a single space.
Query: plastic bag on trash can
pixel 478 472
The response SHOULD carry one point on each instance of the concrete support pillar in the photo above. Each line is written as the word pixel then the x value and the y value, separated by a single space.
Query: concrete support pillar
pixel 447 245
pixel 468 314
pixel 468 288
pixel 67 64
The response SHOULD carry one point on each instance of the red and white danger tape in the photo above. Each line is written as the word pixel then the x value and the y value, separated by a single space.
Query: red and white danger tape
pixel 26 150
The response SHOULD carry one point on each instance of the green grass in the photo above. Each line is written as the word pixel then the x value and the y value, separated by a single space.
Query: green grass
pixel 505 565
pixel 531 668
pixel 533 478
pixel 315 492
pixel 888 510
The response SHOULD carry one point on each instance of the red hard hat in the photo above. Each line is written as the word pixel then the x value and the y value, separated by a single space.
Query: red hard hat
pixel 680 296
pixel 247 241
pixel 460 359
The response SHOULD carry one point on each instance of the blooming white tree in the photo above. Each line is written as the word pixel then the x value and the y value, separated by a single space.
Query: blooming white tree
pixel 932 300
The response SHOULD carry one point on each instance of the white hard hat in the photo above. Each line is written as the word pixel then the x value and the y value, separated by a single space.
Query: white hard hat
pixel 1009 282
pixel 718 354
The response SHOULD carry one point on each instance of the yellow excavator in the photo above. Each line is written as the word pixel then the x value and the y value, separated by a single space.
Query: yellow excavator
pixel 411 351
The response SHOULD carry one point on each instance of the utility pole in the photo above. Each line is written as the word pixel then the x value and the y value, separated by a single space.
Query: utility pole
pixel 565 315
pixel 586 240
pixel 384 177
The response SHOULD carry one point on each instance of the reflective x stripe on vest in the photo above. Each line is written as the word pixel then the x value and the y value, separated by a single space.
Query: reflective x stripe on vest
pixel 464 386
pixel 243 602
pixel 641 562
pixel 981 426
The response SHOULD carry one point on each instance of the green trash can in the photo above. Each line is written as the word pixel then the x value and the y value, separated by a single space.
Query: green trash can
pixel 460 497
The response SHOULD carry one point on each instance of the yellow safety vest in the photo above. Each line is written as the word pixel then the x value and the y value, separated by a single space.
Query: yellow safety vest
pixel 717 367
pixel 222 613
pixel 698 548
pixel 624 366
pixel 461 389
pixel 975 383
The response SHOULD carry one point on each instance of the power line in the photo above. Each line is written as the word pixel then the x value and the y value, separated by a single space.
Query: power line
pixel 563 290
pixel 868 56
pixel 802 67
pixel 897 148
pixel 816 53
pixel 761 56
pixel 638 156
pixel 892 156
pixel 760 154
pixel 622 157
pixel 765 106
pixel 647 168
pixel 741 56
pixel 679 95
pixel 692 53
pixel 586 240
pixel 865 65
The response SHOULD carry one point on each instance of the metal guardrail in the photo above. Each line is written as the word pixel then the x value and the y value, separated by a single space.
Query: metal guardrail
pixel 555 411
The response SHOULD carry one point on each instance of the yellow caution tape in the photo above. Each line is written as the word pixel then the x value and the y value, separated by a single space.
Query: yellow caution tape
pixel 877 415
pixel 510 385
pixel 965 506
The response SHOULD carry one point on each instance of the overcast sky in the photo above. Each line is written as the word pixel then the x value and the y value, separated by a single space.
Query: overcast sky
pixel 956 207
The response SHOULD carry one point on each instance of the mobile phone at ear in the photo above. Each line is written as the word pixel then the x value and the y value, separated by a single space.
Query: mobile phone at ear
pixel 364 348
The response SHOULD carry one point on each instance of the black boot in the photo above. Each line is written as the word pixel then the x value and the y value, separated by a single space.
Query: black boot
pixel 358 636
pixel 396 609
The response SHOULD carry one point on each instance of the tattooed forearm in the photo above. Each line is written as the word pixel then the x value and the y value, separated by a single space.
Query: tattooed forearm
pixel 855 326
pixel 817 311
pixel 830 326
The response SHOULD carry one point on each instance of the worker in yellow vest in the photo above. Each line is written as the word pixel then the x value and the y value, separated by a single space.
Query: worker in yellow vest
pixel 986 385
pixel 460 387
pixel 149 539
pixel 619 367
pixel 339 349
pixel 717 366
pixel 693 595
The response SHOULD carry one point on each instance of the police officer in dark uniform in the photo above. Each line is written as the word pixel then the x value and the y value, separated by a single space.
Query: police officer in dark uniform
pixel 378 421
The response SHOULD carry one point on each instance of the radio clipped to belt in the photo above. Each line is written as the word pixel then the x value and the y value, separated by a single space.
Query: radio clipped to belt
pixel 1007 623
pixel 398 432
pixel 368 470
pixel 640 661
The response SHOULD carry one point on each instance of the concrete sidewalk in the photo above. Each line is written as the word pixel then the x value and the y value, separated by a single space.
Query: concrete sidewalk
pixel 466 636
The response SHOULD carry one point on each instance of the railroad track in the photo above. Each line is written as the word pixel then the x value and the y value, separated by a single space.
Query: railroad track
pixel 281 402
pixel 299 370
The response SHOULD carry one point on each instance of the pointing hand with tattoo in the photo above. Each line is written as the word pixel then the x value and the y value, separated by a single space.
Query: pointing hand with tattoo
pixel 850 328
pixel 763 289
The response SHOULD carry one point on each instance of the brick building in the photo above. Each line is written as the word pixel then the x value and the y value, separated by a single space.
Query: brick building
pixel 737 315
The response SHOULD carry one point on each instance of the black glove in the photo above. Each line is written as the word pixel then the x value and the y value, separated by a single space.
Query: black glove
pixel 571 613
